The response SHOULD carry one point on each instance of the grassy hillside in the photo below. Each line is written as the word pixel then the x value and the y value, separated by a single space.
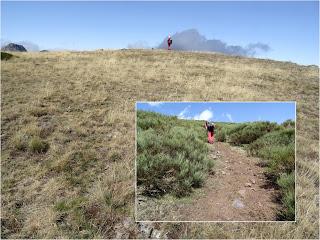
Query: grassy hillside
pixel 81 106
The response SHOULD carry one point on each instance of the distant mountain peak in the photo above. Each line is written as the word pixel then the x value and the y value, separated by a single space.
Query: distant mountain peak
pixel 12 47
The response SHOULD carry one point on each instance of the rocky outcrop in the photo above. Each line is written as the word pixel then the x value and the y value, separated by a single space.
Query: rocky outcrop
pixel 12 47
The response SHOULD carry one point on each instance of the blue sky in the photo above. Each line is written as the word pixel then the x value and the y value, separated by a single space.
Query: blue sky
pixel 224 112
pixel 291 29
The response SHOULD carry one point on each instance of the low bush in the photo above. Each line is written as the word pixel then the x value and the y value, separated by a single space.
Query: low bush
pixel 278 149
pixel 172 156
pixel 281 159
pixel 248 132
pixel 289 124
pixel 221 135
pixel 223 130
pixel 6 56
pixel 276 138
pixel 287 186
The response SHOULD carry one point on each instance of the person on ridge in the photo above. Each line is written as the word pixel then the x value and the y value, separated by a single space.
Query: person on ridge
pixel 210 129
pixel 169 41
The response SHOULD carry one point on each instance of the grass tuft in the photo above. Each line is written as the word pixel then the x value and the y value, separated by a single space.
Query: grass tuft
pixel 37 145
pixel 287 185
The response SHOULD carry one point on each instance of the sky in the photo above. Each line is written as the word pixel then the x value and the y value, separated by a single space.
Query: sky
pixel 224 112
pixel 289 29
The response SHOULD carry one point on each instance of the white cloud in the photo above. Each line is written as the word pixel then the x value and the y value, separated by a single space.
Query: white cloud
pixel 182 114
pixel 205 115
pixel 139 45
pixel 228 115
pixel 155 104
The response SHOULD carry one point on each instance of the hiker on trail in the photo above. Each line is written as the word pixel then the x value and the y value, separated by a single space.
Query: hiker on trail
pixel 169 42
pixel 210 129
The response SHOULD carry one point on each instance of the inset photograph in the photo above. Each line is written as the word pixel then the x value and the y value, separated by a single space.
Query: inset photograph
pixel 215 161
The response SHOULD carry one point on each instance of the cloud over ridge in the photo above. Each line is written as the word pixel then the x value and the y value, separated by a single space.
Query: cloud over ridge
pixel 204 115
pixel 192 40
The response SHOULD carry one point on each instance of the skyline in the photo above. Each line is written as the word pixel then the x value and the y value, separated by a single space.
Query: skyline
pixel 237 112
pixel 287 31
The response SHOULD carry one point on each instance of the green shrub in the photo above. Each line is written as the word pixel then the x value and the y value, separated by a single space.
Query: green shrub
pixel 221 135
pixel 37 145
pixel 287 185
pixel 162 174
pixel 172 154
pixel 153 120
pixel 289 124
pixel 276 138
pixel 237 128
pixel 6 56
pixel 278 149
pixel 281 159
pixel 248 132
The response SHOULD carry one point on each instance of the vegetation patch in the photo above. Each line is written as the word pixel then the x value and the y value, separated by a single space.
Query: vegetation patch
pixel 287 186
pixel 39 111
pixel 275 145
pixel 248 132
pixel 74 210
pixel 172 154
pixel 30 139
pixel 75 165
pixel 278 148
pixel 6 56
pixel 37 145
pixel 20 142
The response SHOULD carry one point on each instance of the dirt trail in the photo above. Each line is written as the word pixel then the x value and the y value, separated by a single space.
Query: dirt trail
pixel 237 191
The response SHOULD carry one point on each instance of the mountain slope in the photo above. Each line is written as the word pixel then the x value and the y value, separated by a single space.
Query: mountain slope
pixel 67 170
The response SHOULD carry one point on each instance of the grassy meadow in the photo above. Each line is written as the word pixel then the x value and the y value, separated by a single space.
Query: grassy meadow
pixel 68 137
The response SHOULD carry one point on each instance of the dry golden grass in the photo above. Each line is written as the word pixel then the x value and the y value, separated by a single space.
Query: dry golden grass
pixel 83 103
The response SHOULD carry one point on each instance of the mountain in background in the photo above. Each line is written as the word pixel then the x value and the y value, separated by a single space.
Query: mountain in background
pixel 12 47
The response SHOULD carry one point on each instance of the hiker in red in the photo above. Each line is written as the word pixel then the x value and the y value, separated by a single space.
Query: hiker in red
pixel 169 42
pixel 210 129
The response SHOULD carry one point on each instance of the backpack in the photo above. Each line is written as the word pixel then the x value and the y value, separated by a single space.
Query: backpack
pixel 211 127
